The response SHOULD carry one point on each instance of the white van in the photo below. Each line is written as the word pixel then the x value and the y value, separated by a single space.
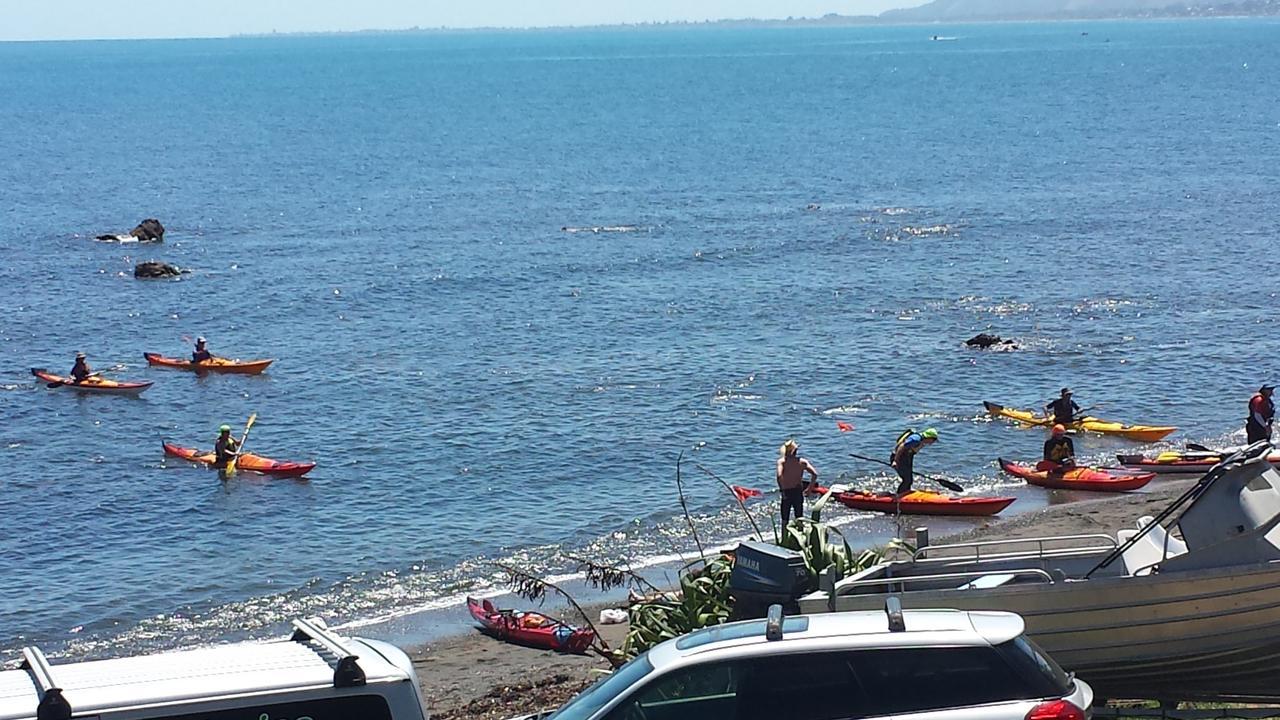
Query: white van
pixel 314 674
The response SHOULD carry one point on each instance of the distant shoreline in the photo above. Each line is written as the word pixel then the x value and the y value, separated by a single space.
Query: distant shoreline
pixel 1226 12
pixel 826 21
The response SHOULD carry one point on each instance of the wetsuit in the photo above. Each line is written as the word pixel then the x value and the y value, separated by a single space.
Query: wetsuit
pixel 1261 412
pixel 224 449
pixel 1063 410
pixel 1058 449
pixel 201 356
pixel 80 371
pixel 904 459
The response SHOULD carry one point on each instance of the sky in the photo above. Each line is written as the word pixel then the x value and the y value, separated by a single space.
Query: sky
pixel 91 19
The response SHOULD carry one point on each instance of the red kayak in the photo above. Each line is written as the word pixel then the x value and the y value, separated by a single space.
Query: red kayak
pixel 1050 475
pixel 93 384
pixel 1191 462
pixel 530 628
pixel 247 461
pixel 919 502
pixel 213 365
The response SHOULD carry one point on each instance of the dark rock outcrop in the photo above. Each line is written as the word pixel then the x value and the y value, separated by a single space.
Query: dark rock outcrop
pixel 987 340
pixel 149 230
pixel 154 269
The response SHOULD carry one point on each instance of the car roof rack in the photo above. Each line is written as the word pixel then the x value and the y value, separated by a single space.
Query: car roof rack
pixel 773 623
pixel 53 706
pixel 893 609
pixel 347 672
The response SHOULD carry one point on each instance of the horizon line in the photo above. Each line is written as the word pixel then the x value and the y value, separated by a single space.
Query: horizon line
pixel 827 20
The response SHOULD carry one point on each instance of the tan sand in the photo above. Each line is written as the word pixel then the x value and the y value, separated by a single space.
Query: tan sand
pixel 475 676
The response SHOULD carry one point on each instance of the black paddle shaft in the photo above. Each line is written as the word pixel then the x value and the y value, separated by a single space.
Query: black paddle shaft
pixel 941 481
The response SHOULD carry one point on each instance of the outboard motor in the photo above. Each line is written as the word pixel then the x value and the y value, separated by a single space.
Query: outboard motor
pixel 765 575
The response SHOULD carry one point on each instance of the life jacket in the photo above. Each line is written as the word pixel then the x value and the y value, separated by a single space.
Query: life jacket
pixel 1059 449
pixel 898 445
pixel 1266 408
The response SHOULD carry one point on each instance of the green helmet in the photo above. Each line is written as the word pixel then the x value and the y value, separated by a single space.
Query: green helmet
pixel 224 429
pixel 930 434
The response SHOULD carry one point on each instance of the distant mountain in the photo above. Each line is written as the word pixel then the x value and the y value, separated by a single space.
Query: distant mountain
pixel 969 10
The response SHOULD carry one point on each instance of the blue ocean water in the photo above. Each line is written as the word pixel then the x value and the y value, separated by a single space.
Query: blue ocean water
pixel 510 277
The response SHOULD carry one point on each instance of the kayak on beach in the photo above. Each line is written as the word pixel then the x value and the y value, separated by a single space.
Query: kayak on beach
pixel 215 365
pixel 247 461
pixel 1047 475
pixel 918 502
pixel 1190 462
pixel 1142 433
pixel 92 384
pixel 530 628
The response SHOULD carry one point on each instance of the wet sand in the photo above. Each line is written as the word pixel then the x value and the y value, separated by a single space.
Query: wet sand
pixel 475 676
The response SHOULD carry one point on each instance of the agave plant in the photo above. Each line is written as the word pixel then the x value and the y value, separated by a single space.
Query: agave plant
pixel 703 601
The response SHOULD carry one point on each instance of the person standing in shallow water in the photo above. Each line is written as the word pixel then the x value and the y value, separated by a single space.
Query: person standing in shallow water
pixel 1262 411
pixel 790 476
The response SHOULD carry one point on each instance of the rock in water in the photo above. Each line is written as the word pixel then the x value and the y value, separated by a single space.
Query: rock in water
pixel 149 230
pixel 153 269
pixel 986 340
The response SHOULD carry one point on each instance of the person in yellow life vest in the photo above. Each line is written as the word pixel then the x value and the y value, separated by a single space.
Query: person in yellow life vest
pixel 1058 449
pixel 904 456
pixel 225 448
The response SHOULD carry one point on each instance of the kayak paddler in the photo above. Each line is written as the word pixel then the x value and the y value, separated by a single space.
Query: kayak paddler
pixel 1064 409
pixel 903 458
pixel 80 371
pixel 201 353
pixel 224 448
pixel 790 477
pixel 1059 449
pixel 1262 411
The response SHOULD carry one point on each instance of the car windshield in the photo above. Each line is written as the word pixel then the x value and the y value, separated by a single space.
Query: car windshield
pixel 605 690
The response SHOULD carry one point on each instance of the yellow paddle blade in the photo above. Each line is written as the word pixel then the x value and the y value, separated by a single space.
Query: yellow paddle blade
pixel 231 464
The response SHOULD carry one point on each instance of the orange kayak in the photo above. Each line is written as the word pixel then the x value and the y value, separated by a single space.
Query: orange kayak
pixel 919 502
pixel 1080 478
pixel 95 384
pixel 247 461
pixel 216 365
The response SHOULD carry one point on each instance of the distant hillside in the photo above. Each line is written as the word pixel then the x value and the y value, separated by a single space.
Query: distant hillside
pixel 968 10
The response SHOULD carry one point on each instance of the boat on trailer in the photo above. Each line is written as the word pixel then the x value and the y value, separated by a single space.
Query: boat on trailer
pixel 1184 606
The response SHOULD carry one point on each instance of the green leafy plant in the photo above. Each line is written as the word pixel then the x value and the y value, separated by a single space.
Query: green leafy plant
pixel 703 601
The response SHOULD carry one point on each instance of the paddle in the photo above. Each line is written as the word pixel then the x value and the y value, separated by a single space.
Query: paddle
pixel 72 381
pixel 1079 415
pixel 231 464
pixel 941 481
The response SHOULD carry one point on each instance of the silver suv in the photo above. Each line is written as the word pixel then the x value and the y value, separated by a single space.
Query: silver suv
pixel 912 665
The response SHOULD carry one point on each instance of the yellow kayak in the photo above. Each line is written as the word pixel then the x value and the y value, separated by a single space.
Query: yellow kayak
pixel 1144 433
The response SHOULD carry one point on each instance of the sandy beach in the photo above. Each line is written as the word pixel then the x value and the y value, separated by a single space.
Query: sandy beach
pixel 474 676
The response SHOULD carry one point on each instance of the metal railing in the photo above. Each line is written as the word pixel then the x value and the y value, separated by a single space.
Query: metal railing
pixel 1109 543
pixel 902 582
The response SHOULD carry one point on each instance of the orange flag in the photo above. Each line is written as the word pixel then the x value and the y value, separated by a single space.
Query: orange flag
pixel 745 493
pixel 844 426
